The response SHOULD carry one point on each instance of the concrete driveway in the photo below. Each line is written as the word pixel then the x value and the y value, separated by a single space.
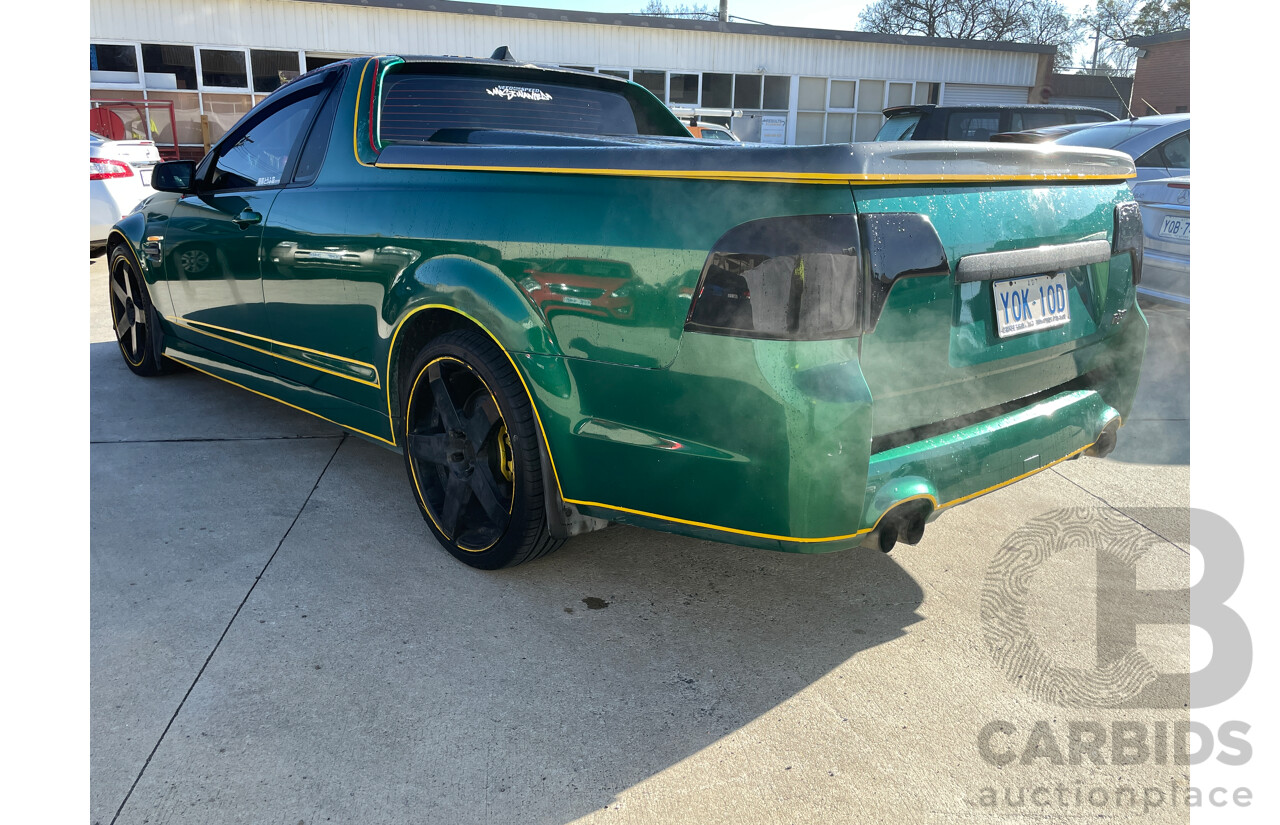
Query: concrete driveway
pixel 276 639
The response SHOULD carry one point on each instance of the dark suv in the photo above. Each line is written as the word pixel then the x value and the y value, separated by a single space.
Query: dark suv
pixel 979 121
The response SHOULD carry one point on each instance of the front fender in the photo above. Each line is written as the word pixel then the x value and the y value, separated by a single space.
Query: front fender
pixel 131 233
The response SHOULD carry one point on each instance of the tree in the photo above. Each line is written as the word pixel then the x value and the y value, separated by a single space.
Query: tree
pixel 656 8
pixel 1115 21
pixel 1043 22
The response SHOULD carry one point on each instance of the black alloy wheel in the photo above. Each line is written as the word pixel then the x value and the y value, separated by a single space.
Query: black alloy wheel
pixel 471 452
pixel 132 315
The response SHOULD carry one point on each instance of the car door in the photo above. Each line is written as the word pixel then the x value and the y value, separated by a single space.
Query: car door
pixel 326 272
pixel 213 240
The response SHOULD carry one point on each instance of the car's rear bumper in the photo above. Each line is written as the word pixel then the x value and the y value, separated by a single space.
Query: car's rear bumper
pixel 940 472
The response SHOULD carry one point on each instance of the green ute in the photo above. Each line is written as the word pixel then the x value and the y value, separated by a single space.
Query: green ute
pixel 564 311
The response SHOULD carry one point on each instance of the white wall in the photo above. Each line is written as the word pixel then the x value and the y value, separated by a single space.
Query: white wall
pixel 293 24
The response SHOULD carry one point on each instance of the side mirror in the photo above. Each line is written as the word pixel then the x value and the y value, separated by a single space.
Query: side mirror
pixel 174 176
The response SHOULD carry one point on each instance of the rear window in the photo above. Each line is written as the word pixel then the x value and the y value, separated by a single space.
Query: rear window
pixel 1105 136
pixel 899 127
pixel 421 108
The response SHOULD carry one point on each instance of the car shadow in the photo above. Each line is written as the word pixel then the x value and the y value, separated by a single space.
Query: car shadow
pixel 369 672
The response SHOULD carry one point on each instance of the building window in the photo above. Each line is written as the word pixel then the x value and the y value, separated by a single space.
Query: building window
pixel 186 115
pixel 777 92
pixel 811 101
pixel 655 82
pixel 899 95
pixel 224 111
pixel 843 93
pixel 315 61
pixel 871 95
pixel 110 63
pixel 272 69
pixel 717 91
pixel 622 73
pixel 222 68
pixel 175 65
pixel 746 91
pixel 684 89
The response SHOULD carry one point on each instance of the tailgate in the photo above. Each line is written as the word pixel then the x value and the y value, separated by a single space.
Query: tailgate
pixel 948 345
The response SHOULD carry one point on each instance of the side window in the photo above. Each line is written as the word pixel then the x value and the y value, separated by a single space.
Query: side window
pixel 1174 153
pixel 260 155
pixel 1151 157
pixel 1177 151
pixel 313 152
pixel 973 125
pixel 1042 120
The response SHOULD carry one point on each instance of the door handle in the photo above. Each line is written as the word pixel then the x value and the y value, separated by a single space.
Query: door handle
pixel 246 218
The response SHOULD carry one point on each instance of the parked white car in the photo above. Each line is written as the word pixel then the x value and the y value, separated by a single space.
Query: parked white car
pixel 119 178
pixel 1166 230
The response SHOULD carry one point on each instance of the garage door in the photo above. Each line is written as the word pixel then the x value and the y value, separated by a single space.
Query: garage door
pixel 954 94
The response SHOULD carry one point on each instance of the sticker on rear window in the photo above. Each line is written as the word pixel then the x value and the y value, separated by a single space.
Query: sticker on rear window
pixel 522 92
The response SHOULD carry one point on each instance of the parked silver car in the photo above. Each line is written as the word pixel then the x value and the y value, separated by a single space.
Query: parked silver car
pixel 1160 145
pixel 1166 230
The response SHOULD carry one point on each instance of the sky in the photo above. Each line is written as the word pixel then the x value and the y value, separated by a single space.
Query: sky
pixel 814 14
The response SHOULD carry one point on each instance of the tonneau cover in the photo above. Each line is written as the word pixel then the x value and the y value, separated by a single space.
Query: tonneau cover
pixel 881 161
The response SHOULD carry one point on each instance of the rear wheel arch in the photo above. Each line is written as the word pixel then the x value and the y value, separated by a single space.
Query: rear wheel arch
pixel 443 451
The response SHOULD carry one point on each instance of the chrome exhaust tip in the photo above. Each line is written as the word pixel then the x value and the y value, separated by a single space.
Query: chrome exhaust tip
pixel 1106 440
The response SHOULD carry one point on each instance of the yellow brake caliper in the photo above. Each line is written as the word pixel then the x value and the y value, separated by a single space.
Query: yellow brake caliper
pixel 506 460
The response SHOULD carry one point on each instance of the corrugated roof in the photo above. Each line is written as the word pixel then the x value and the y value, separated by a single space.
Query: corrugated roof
pixel 651 22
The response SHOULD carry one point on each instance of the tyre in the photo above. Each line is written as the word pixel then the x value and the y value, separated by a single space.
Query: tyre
pixel 471 451
pixel 133 316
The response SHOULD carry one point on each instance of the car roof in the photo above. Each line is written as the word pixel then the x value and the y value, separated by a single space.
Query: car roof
pixel 1161 120
pixel 1002 107
pixel 1158 128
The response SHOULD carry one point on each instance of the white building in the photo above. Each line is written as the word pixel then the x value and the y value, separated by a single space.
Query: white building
pixel 216 58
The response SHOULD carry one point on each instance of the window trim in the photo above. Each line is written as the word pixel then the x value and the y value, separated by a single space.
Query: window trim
pixel 248 76
pixel 335 80
pixel 140 84
pixel 311 88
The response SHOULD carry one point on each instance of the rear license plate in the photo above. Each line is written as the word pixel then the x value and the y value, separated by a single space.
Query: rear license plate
pixel 1028 304
pixel 1175 229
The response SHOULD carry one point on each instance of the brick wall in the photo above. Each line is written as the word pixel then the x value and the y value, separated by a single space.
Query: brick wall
pixel 1162 80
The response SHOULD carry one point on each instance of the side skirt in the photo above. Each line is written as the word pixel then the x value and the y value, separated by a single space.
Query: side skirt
pixel 363 421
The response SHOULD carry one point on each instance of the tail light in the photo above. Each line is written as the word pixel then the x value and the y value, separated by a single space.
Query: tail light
pixel 104 168
pixel 1128 236
pixel 789 278
pixel 899 245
